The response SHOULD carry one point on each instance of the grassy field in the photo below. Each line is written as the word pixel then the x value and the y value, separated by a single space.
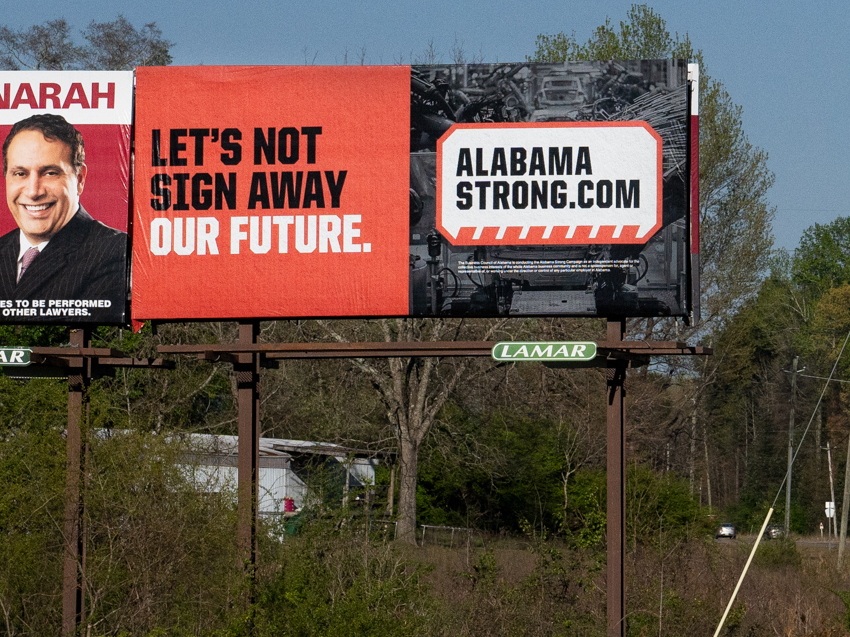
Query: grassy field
pixel 509 587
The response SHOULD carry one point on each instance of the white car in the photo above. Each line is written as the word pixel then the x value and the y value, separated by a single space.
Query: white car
pixel 725 530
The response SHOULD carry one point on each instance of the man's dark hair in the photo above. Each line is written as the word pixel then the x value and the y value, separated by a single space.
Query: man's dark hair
pixel 53 127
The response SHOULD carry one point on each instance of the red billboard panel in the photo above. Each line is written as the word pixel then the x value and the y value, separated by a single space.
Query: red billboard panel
pixel 63 250
pixel 271 192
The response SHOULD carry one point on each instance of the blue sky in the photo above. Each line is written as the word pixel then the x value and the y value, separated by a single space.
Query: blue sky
pixel 784 62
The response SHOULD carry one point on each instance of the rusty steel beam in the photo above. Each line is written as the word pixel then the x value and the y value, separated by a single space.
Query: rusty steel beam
pixel 219 357
pixel 215 352
pixel 105 361
pixel 143 363
pixel 341 350
pixel 698 350
pixel 247 371
pixel 76 351
pixel 49 359
pixel 73 598
pixel 616 479
pixel 398 352
pixel 71 357
pixel 639 345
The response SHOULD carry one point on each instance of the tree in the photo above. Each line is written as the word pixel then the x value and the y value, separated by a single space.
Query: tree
pixel 46 47
pixel 748 398
pixel 51 46
pixel 644 36
pixel 736 218
pixel 413 391
pixel 734 178
pixel 119 45
pixel 823 259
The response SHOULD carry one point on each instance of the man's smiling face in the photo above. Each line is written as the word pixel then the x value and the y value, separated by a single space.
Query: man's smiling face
pixel 42 188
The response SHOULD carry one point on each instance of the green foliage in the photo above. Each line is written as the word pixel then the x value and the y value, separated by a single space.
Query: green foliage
pixel 332 580
pixel 778 553
pixel 491 471
pixel 47 47
pixel 642 36
pixel 32 475
pixel 484 571
pixel 160 552
pixel 822 260
pixel 828 332
pixel 657 507
pixel 761 330
pixel 735 231
pixel 585 517
pixel 33 335
pixel 195 396
pixel 564 571
pixel 118 45
pixel 758 340
pixel 661 507
pixel 844 596
pixel 736 617
pixel 748 514
pixel 160 546
pixel 522 488
pixel 801 309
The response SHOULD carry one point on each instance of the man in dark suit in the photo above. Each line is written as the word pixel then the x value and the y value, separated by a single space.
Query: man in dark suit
pixel 60 265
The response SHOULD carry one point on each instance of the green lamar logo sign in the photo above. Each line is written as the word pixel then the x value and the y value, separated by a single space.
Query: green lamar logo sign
pixel 545 351
pixel 14 356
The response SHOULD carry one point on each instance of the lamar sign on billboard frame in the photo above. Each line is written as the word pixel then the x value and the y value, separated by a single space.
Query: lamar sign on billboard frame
pixel 473 190
pixel 66 193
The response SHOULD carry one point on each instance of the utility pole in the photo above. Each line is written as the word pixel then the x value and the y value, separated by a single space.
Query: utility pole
pixel 790 445
pixel 831 491
pixel 845 505
pixel 692 456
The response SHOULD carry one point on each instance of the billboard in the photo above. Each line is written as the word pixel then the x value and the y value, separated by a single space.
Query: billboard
pixel 550 189
pixel 271 192
pixel 455 190
pixel 64 248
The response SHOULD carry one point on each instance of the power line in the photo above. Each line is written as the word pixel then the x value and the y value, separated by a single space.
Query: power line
pixel 814 412
pixel 813 209
pixel 834 380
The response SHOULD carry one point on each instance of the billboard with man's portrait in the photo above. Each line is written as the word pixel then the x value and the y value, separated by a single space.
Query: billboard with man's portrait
pixel 64 198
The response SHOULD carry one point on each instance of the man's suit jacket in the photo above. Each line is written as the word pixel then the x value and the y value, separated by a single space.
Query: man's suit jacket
pixel 85 260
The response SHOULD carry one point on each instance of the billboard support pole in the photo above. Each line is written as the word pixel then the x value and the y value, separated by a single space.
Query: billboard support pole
pixel 248 396
pixel 79 377
pixel 616 461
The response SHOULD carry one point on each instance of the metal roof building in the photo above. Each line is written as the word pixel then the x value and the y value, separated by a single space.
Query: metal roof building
pixel 286 469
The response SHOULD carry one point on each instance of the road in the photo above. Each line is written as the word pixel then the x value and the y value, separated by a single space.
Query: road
pixel 808 540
